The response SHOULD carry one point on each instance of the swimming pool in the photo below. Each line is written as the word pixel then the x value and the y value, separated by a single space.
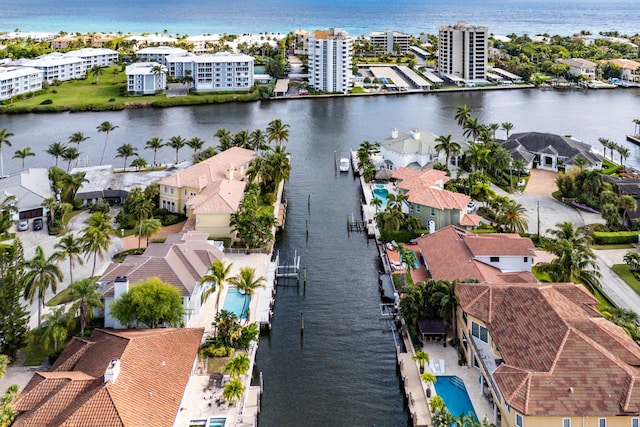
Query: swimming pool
pixel 452 390
pixel 234 301
pixel 216 422
pixel 381 193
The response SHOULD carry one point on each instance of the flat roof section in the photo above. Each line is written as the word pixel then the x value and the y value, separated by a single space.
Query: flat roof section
pixel 416 79
pixel 389 73
pixel 282 86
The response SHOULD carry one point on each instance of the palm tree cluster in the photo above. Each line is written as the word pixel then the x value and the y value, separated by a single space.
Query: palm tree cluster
pixel 364 153
pixel 626 319
pixel 588 188
pixel 508 215
pixel 270 168
pixel 392 218
pixel 138 212
pixel 254 227
pixel 485 154
pixel 622 151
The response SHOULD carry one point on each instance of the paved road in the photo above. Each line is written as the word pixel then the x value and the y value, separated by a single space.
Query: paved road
pixel 612 284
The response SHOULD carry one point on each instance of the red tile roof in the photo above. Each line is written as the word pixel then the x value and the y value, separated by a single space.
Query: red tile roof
pixel 561 358
pixel 155 365
pixel 451 253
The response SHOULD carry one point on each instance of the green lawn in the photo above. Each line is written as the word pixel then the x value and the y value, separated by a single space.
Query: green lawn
pixel 61 298
pixel 622 270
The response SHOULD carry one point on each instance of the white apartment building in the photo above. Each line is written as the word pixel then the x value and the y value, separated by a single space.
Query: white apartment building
pixel 388 39
pixel 143 79
pixel 58 66
pixel 200 43
pixel 15 80
pixel 93 56
pixel 158 54
pixel 179 66
pixel 463 51
pixel 222 71
pixel 330 60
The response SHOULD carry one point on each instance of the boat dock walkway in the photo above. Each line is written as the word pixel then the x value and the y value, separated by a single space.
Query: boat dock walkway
pixel 414 389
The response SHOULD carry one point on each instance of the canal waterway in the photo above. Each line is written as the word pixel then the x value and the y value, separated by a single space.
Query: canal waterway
pixel 342 370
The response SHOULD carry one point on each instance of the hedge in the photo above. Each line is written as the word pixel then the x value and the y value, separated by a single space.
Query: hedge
pixel 402 236
pixel 613 238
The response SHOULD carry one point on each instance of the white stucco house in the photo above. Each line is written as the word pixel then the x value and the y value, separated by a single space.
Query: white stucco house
pixel 146 78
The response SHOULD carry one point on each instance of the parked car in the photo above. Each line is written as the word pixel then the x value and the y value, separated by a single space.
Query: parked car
pixel 471 207
pixel 23 225
pixel 37 224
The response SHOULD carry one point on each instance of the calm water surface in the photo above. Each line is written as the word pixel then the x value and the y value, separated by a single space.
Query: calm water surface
pixel 342 372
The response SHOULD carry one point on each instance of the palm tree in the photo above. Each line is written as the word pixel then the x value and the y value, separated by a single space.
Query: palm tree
pixel 56 149
pixel 246 282
pixel 626 319
pixel 507 127
pixel 195 143
pixel 96 71
pixel 369 148
pixel 493 127
pixel 4 140
pixel 143 210
pixel 446 298
pixel 632 259
pixel 472 128
pixel 71 183
pixel 575 261
pixel 277 166
pixel 605 144
pixel 623 151
pixel 149 227
pixel 85 298
pixel 233 390
pixel 422 357
pixel 126 151
pixel 238 366
pixel 218 274
pixel 428 378
pixel 463 114
pixel 139 163
pixel 224 138
pixel 43 274
pixel 478 156
pixel 258 140
pixel 277 131
pixel 106 127
pixel 70 154
pixel 513 217
pixel 96 237
pixel 23 153
pixel 55 328
pixel 77 138
pixel 444 143
pixel 241 139
pixel 154 144
pixel 70 246
pixel 376 202
pixel 176 142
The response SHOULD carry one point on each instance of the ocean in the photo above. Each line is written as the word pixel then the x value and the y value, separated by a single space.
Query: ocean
pixel 359 17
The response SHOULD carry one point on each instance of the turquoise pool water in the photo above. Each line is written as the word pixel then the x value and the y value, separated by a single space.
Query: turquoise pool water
pixel 452 390
pixel 259 69
pixel 234 302
pixel 381 193
pixel 216 422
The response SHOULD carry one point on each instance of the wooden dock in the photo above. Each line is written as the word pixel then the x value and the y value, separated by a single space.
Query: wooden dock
pixel 356 225
pixel 634 138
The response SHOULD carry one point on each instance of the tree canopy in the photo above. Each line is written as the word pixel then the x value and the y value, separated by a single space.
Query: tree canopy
pixel 151 302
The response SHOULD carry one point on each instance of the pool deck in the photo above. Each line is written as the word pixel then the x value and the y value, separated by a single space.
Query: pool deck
pixel 199 402
pixel 469 375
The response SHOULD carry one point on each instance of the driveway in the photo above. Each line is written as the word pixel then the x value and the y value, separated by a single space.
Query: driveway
pixel 31 239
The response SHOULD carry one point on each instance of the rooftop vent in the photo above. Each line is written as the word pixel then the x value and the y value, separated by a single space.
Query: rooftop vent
pixel 112 372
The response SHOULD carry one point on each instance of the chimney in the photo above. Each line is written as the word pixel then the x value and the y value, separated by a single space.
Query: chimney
pixel 230 173
pixel 112 372
pixel 394 133
pixel 120 286
pixel 415 133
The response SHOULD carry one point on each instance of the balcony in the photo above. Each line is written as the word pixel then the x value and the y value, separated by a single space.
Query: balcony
pixel 488 363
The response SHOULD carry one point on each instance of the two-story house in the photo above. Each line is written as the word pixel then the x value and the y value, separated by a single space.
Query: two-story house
pixel 580 67
pixel 546 357
pixel 430 202
pixel 210 191
pixel 452 253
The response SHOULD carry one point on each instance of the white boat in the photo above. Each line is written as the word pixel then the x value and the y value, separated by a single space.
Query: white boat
pixel 344 164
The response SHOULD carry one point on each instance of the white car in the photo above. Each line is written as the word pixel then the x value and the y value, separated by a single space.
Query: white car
pixel 471 207
pixel 23 225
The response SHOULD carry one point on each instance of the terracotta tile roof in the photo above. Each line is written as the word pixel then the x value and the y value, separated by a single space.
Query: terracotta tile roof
pixel 210 170
pixel 155 365
pixel 182 260
pixel 626 63
pixel 561 358
pixel 440 199
pixel 221 197
pixel 451 254
pixel 470 220
pixel 412 178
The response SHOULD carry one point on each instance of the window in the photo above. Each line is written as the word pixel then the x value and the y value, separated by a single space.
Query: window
pixel 602 422
pixel 526 259
pixel 433 211
pixel 417 208
pixel 171 190
pixel 479 332
pixel 519 420
pixel 494 259
pixel 635 422
pixel 566 422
